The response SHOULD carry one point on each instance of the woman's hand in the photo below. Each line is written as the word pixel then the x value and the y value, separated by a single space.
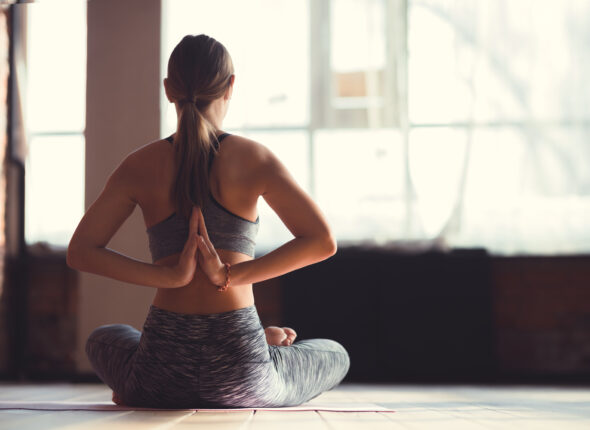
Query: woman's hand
pixel 209 260
pixel 184 270
pixel 280 336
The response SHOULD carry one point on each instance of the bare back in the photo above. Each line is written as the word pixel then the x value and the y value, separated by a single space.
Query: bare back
pixel 233 183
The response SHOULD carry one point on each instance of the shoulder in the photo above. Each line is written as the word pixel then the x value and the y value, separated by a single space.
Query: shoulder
pixel 241 146
pixel 251 162
pixel 142 165
pixel 146 159
pixel 150 153
pixel 247 152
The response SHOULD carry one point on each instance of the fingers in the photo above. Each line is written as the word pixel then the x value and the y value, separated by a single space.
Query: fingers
pixel 187 263
pixel 194 221
pixel 206 249
pixel 203 227
pixel 190 247
pixel 202 230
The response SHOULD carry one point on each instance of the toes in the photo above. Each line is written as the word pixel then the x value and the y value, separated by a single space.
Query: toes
pixel 116 399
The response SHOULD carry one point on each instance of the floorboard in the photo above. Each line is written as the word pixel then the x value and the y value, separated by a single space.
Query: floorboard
pixel 272 420
pixel 416 406
pixel 358 421
pixel 216 421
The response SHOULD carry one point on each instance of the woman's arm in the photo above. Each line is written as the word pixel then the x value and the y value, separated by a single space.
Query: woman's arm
pixel 87 250
pixel 313 241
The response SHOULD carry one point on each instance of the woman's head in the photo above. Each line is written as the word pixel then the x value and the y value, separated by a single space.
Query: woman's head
pixel 200 73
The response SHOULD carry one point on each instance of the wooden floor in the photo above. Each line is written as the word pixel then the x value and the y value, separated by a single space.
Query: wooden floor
pixel 417 407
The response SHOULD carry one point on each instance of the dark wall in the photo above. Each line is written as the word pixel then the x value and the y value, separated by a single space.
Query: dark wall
pixel 44 307
pixel 542 316
pixel 458 316
pixel 401 317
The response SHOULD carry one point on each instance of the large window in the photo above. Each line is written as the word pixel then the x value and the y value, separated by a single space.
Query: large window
pixel 458 122
pixel 499 122
pixel 55 107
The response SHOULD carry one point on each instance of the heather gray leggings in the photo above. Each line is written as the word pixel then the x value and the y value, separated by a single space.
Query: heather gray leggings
pixel 209 361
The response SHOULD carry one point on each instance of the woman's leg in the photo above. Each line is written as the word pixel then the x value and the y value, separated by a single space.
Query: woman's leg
pixel 110 349
pixel 308 368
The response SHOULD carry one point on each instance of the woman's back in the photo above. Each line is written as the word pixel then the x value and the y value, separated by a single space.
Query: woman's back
pixel 234 185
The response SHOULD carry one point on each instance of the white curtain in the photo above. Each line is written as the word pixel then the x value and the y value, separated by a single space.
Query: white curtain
pixel 499 110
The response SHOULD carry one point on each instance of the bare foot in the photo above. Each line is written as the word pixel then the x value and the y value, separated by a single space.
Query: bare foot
pixel 291 335
pixel 117 400
pixel 279 336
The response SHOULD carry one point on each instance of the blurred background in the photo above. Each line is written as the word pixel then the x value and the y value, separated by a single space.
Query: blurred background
pixel 447 142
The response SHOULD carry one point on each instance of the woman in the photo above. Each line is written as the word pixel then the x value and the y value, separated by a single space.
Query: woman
pixel 202 344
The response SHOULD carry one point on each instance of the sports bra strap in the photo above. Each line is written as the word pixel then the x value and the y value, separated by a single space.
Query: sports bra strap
pixel 215 144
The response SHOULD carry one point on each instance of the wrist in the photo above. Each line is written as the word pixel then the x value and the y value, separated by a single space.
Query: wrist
pixel 224 281
pixel 171 277
pixel 219 276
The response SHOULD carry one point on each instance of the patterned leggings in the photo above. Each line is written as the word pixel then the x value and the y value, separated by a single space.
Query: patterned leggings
pixel 215 361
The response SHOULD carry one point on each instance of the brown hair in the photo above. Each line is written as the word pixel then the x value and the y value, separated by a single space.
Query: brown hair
pixel 199 71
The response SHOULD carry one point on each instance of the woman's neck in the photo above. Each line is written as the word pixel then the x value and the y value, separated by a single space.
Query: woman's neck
pixel 216 112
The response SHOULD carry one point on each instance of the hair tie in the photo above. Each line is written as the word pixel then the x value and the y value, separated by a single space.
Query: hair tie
pixel 192 100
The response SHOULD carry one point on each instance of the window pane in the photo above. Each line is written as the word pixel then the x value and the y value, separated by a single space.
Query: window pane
pixel 359 183
pixel 357 35
pixel 436 160
pixel 54 196
pixel 497 60
pixel 357 51
pixel 528 192
pixel 361 79
pixel 56 66
pixel 272 73
pixel 437 91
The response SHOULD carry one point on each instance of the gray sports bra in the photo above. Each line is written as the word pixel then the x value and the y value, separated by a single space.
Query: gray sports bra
pixel 226 229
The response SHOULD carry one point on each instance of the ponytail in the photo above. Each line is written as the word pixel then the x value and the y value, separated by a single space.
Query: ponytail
pixel 199 72
pixel 193 148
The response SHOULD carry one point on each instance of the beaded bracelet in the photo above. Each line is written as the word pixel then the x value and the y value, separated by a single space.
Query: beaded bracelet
pixel 227 277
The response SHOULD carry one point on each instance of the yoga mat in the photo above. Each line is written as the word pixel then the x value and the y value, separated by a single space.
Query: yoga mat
pixel 109 406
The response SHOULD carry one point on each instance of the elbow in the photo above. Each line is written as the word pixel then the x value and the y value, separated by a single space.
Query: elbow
pixel 328 246
pixel 73 256
pixel 70 257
